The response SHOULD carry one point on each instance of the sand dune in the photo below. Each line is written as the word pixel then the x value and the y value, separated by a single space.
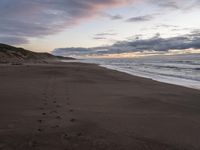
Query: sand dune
pixel 14 55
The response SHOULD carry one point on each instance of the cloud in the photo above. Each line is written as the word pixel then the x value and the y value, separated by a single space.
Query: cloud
pixel 156 43
pixel 13 40
pixel 115 17
pixel 104 35
pixel 36 18
pixel 111 16
pixel 140 18
pixel 176 4
pixel 166 26
pixel 72 51
pixel 169 4
pixel 39 18
pixel 99 38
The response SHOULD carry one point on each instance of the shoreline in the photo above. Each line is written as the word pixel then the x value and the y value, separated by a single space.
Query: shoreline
pixel 83 106
pixel 165 79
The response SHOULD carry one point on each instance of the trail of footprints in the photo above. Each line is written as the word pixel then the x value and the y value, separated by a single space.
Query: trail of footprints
pixel 51 110
pixel 50 102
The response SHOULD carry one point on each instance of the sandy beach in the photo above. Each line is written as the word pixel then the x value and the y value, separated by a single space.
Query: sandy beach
pixel 75 106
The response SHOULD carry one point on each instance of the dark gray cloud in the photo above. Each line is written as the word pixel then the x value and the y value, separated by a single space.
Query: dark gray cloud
pixel 72 51
pixel 112 17
pixel 184 5
pixel 99 38
pixel 140 18
pixel 13 40
pixel 104 35
pixel 169 4
pixel 156 43
pixel 36 18
pixel 116 17
pixel 166 26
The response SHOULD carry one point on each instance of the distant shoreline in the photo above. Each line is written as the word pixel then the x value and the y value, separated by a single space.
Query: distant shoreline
pixel 173 81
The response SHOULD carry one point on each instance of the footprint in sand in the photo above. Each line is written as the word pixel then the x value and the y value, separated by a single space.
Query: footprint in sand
pixel 58 106
pixel 71 110
pixel 40 121
pixel 54 102
pixel 56 126
pixel 72 120
pixel 65 136
pixel 58 117
pixel 79 134
pixel 43 114
pixel 40 130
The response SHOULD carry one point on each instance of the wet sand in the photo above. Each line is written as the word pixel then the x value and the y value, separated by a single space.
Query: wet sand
pixel 74 106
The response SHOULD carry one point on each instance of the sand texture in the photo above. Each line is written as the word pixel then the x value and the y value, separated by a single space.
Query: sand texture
pixel 74 106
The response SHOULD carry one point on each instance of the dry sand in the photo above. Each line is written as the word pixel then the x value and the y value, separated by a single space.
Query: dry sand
pixel 76 106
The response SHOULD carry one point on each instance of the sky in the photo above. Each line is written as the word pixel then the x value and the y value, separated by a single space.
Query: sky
pixel 102 27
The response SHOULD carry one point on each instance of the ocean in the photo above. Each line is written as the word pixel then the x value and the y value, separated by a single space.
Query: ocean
pixel 183 70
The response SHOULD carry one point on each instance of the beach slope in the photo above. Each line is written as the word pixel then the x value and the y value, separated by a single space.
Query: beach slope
pixel 75 106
